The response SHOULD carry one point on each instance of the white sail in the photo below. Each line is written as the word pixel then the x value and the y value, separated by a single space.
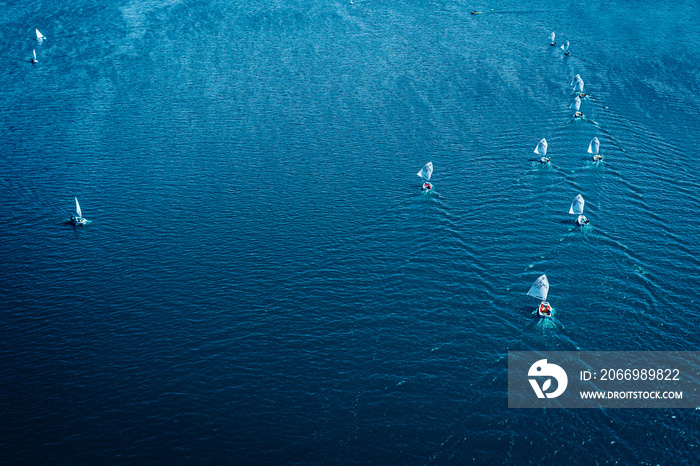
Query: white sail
pixel 34 51
pixel 578 87
pixel 565 47
pixel 427 171
pixel 576 78
pixel 541 147
pixel 77 208
pixel 551 37
pixel 577 205
pixel 540 288
pixel 594 146
pixel 39 36
pixel 576 103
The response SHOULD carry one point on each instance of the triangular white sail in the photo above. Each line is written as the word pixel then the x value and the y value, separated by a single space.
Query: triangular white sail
pixel 427 171
pixel 576 103
pixel 577 205
pixel 77 208
pixel 565 47
pixel 540 288
pixel 34 51
pixel 551 37
pixel 541 147
pixel 39 36
pixel 578 87
pixel 576 78
pixel 594 146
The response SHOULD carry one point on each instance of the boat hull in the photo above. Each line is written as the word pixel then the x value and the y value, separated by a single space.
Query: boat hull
pixel 544 310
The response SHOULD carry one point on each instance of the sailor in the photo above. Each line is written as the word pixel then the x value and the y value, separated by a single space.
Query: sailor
pixel 598 158
pixel 578 115
pixel 582 95
pixel 545 159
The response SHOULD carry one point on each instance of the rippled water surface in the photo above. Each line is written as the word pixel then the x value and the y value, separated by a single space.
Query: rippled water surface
pixel 261 278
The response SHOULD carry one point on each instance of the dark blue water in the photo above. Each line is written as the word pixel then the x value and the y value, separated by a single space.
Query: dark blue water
pixel 262 281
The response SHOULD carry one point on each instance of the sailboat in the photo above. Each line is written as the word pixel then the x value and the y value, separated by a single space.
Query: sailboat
pixel 594 148
pixel 39 36
pixel 577 209
pixel 426 172
pixel 539 290
pixel 541 149
pixel 34 60
pixel 551 39
pixel 78 219
pixel 576 105
pixel 578 87
pixel 565 48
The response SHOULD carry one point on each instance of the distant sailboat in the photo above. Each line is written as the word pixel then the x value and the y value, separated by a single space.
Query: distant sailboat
pixel 565 48
pixel 541 149
pixel 551 39
pixel 39 36
pixel 594 148
pixel 34 60
pixel 577 209
pixel 426 172
pixel 78 219
pixel 576 105
pixel 540 290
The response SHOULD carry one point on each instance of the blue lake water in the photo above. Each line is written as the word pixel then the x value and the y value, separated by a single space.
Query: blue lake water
pixel 262 280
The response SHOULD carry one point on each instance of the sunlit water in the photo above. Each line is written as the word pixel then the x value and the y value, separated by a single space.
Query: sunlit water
pixel 262 279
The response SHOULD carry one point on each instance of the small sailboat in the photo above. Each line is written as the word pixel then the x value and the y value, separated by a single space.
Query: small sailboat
pixel 541 149
pixel 426 172
pixel 565 48
pixel 594 148
pixel 578 87
pixel 33 59
pixel 39 36
pixel 78 219
pixel 576 105
pixel 577 209
pixel 551 39
pixel 539 290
